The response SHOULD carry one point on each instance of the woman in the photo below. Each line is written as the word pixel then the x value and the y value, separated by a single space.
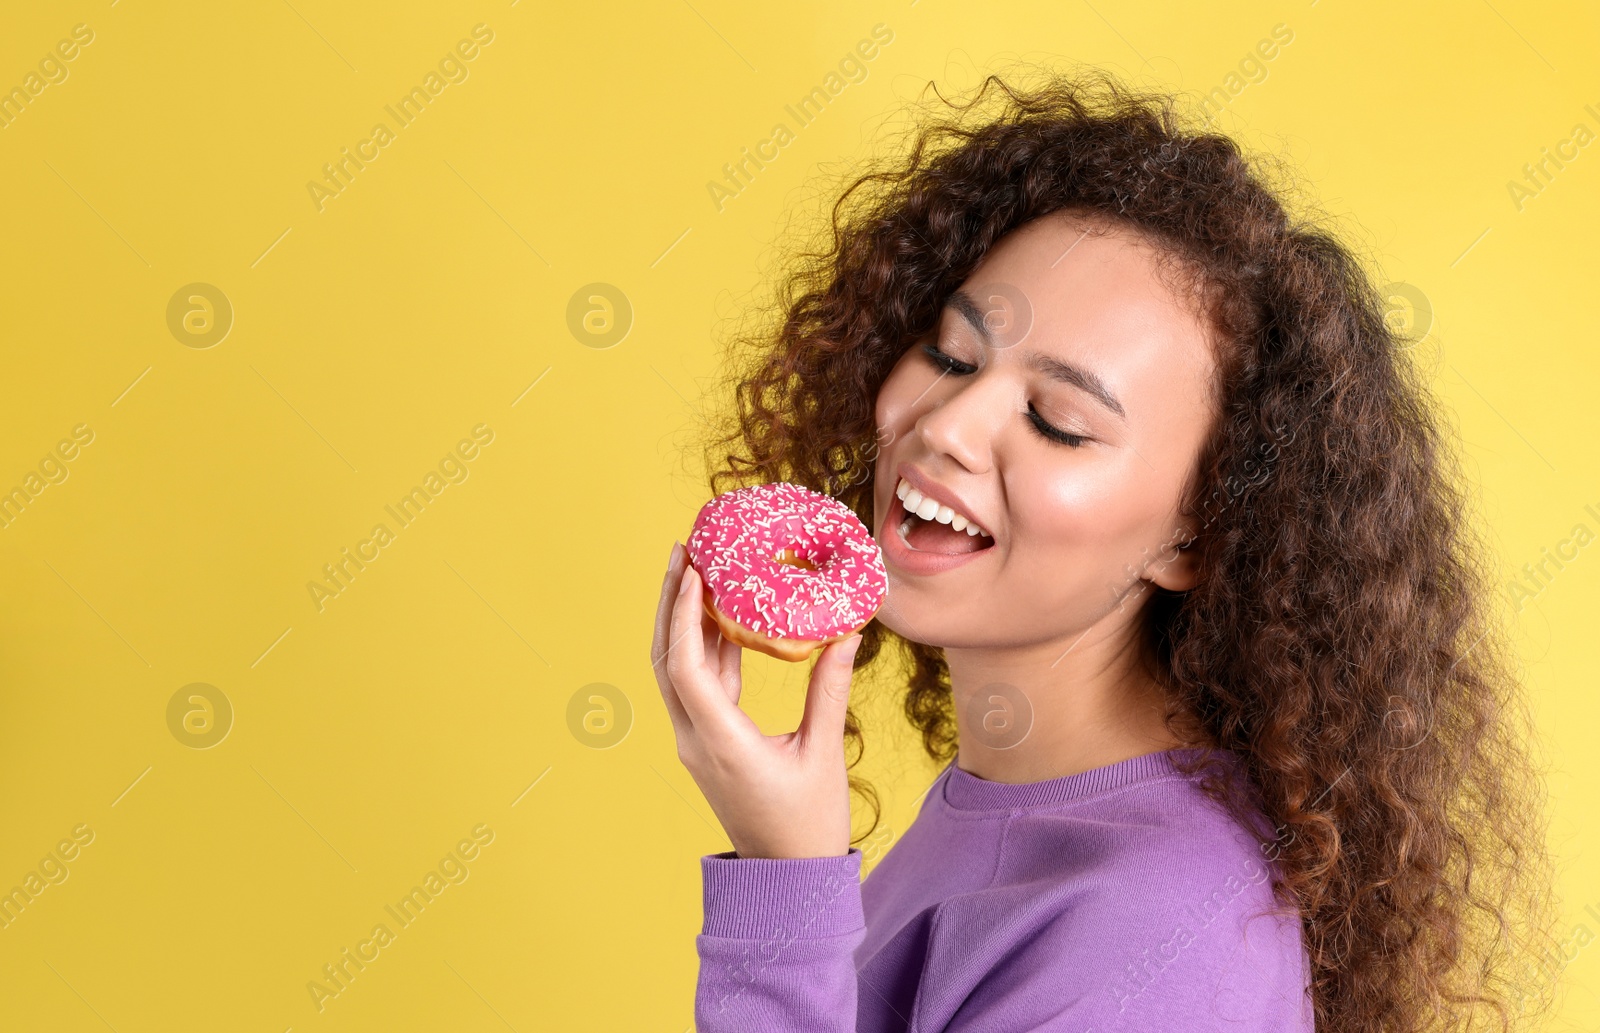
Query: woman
pixel 1229 742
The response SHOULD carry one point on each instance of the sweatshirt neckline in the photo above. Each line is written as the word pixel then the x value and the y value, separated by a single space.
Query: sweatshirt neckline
pixel 964 791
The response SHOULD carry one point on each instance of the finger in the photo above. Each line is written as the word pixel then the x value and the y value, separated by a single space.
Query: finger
pixel 717 650
pixel 698 688
pixel 722 655
pixel 670 582
pixel 732 658
pixel 674 632
pixel 658 645
pixel 827 697
pixel 710 637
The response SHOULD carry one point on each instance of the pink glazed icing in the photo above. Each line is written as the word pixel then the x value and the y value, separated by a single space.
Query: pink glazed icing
pixel 735 543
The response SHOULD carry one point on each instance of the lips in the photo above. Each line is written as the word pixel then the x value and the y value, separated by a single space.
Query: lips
pixel 948 506
pixel 932 536
pixel 904 559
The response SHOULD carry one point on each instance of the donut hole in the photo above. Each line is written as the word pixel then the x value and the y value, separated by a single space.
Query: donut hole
pixel 789 558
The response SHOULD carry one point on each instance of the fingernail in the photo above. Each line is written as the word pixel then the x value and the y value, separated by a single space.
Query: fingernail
pixel 851 647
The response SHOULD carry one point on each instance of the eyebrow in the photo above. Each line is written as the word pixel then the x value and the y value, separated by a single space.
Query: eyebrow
pixel 1064 372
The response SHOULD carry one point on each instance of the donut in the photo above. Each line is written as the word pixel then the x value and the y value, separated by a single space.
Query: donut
pixel 786 570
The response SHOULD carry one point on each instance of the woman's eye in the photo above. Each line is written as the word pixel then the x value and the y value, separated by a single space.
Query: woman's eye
pixel 946 362
pixel 949 364
pixel 1054 433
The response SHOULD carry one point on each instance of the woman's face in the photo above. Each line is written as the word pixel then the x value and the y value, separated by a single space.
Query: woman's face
pixel 1067 416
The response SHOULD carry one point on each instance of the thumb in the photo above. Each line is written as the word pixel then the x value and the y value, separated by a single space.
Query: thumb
pixel 828 695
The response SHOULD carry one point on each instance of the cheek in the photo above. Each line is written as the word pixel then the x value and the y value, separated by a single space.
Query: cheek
pixel 1068 548
pixel 1063 512
pixel 1086 520
pixel 893 409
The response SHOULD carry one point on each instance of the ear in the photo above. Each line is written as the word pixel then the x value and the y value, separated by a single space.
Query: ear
pixel 1173 567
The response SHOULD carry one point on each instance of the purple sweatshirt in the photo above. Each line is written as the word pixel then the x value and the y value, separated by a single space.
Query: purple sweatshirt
pixel 1121 898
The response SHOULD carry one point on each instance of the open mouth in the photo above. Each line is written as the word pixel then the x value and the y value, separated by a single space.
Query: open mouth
pixel 930 535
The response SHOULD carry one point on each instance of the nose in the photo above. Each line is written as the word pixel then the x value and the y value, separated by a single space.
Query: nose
pixel 963 420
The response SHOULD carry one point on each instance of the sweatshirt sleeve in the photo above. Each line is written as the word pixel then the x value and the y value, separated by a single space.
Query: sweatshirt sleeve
pixel 777 947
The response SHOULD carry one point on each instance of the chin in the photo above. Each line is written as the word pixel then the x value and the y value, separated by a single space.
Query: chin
pixel 923 618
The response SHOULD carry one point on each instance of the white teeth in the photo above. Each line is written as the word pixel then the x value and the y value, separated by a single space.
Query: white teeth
pixel 930 509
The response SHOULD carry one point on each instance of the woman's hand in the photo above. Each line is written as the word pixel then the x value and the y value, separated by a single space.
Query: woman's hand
pixel 776 795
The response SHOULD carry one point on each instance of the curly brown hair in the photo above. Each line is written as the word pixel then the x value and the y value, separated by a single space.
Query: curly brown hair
pixel 1340 639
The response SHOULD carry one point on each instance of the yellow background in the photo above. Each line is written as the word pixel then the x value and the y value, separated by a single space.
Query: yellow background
pixel 369 337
